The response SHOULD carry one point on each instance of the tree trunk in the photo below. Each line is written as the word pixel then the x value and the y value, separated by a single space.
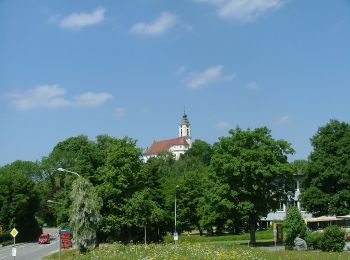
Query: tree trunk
pixel 252 228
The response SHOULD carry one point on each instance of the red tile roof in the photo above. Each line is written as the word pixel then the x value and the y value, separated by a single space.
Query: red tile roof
pixel 164 145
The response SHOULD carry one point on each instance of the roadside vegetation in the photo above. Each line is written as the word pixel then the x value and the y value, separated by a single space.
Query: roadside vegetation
pixel 203 251
pixel 222 188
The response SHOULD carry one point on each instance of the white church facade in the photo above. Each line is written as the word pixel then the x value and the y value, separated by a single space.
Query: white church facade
pixel 177 145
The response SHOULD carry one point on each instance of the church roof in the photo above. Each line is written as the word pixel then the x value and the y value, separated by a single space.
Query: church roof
pixel 164 145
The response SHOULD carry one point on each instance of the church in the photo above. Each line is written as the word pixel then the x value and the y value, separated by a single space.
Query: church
pixel 177 145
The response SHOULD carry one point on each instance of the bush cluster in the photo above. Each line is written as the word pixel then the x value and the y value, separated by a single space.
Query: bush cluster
pixel 314 239
pixel 331 239
pixel 5 238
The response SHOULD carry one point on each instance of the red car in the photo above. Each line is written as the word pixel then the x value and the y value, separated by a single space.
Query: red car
pixel 44 239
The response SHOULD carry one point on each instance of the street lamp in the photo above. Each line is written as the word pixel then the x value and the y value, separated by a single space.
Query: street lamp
pixel 76 174
pixel 64 170
pixel 52 201
pixel 59 229
pixel 176 236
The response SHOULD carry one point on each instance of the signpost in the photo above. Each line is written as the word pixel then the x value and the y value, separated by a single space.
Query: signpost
pixel 14 233
pixel 176 236
pixel 277 233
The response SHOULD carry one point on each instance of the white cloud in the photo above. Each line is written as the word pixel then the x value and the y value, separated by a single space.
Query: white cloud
pixel 53 96
pixel 252 85
pixel 210 75
pixel 80 20
pixel 120 112
pixel 244 10
pixel 223 125
pixel 162 24
pixel 92 99
pixel 283 120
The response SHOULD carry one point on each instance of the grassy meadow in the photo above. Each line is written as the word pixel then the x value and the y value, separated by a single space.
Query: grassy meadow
pixel 199 247
pixel 201 251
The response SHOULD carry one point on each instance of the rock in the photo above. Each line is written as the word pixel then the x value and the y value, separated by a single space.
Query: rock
pixel 300 244
pixel 347 246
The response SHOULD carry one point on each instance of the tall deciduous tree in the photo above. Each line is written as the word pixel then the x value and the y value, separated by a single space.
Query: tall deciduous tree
pixel 326 184
pixel 118 181
pixel 190 195
pixel 77 154
pixel 85 214
pixel 254 173
pixel 19 200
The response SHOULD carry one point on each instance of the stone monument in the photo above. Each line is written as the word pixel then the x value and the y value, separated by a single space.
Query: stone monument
pixel 300 244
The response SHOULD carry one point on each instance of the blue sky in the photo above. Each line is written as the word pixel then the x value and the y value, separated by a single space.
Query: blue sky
pixel 128 68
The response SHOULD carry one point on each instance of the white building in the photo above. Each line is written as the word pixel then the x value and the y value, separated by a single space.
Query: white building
pixel 177 145
pixel 281 213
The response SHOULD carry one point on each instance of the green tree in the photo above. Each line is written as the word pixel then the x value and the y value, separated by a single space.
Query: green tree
pixel 300 166
pixel 158 178
pixel 141 211
pixel 200 150
pixel 294 225
pixel 77 154
pixel 326 183
pixel 18 201
pixel 118 181
pixel 85 216
pixel 190 195
pixel 254 173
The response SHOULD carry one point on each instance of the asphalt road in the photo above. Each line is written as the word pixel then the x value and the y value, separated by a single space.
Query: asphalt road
pixel 29 251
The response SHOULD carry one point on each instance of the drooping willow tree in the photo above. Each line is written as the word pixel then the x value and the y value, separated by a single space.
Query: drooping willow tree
pixel 85 214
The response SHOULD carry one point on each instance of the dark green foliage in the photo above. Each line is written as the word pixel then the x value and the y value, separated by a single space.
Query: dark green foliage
pixel 314 239
pixel 190 195
pixel 118 177
pixel 333 239
pixel 18 201
pixel 294 226
pixel 326 184
pixel 200 152
pixel 300 166
pixel 253 175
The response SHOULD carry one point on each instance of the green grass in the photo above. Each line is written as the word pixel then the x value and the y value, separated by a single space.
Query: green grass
pixel 201 247
pixel 265 235
pixel 207 250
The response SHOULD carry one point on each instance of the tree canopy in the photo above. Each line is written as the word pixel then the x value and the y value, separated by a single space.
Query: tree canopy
pixel 85 216
pixel 254 173
pixel 19 199
pixel 326 184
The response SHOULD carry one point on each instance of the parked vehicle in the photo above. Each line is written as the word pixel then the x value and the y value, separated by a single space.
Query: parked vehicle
pixel 44 239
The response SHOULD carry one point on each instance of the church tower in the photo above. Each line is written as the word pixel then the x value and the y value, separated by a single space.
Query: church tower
pixel 185 129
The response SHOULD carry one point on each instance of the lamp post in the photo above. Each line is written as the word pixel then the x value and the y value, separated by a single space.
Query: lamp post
pixel 64 170
pixel 59 231
pixel 59 228
pixel 176 236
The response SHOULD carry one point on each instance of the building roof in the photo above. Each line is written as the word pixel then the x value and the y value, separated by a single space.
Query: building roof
pixel 165 145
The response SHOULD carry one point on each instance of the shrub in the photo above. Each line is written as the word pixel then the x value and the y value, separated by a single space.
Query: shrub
pixel 314 239
pixel 294 225
pixel 333 239
pixel 5 238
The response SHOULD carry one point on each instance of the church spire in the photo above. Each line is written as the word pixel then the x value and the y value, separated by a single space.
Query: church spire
pixel 185 127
